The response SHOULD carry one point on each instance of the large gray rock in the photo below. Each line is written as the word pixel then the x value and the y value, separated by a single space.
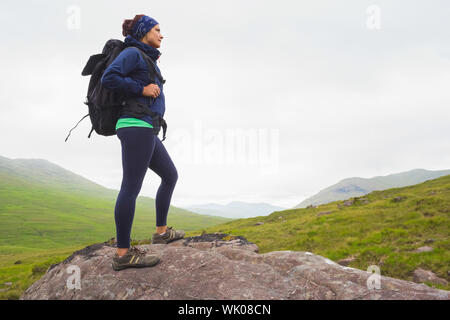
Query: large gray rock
pixel 213 267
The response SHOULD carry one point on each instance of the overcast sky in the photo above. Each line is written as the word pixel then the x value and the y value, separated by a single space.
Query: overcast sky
pixel 266 101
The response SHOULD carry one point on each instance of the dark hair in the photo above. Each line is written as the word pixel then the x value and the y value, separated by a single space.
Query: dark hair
pixel 128 24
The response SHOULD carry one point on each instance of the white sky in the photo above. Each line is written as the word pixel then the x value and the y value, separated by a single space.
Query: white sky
pixel 323 96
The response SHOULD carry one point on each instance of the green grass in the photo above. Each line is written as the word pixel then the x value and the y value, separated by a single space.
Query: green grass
pixel 42 228
pixel 42 224
pixel 382 232
pixel 48 218
pixel 33 265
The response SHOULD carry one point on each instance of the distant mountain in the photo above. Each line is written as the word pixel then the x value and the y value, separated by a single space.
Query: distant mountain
pixel 27 172
pixel 43 206
pixel 235 209
pixel 355 187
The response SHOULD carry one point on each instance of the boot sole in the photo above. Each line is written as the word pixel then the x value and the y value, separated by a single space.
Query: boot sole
pixel 165 242
pixel 118 268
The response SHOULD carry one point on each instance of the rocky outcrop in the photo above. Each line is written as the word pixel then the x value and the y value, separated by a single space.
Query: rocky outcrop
pixel 421 275
pixel 345 262
pixel 218 266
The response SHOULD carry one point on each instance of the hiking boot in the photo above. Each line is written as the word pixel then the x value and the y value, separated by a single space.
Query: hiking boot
pixel 170 235
pixel 134 258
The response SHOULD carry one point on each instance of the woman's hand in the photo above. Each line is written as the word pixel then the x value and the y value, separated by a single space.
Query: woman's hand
pixel 152 90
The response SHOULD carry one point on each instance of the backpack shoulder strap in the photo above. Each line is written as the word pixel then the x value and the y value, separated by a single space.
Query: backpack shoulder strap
pixel 151 65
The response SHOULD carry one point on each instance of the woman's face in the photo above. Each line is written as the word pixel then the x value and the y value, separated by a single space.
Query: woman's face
pixel 153 37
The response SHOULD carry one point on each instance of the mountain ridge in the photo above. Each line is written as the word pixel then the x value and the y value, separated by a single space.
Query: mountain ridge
pixel 358 186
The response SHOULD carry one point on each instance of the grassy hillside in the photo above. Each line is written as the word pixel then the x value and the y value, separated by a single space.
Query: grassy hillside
pixel 383 230
pixel 45 218
pixel 43 206
pixel 47 212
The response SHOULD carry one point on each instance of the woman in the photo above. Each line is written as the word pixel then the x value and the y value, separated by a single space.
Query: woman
pixel 141 148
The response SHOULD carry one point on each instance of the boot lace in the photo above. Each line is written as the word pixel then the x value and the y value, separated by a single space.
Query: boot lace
pixel 137 251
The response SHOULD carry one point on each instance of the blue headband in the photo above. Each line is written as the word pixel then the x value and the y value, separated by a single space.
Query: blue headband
pixel 144 25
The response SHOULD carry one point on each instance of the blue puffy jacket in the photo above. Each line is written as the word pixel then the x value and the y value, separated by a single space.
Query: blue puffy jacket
pixel 129 74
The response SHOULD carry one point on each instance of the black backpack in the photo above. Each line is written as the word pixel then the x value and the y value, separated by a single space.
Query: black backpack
pixel 106 106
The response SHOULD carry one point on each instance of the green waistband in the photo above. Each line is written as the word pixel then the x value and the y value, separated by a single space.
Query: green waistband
pixel 132 122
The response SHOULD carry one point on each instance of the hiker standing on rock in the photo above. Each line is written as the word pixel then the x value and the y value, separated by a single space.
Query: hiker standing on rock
pixel 133 75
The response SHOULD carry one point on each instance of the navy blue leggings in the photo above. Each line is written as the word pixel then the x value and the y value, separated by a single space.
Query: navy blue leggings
pixel 142 149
